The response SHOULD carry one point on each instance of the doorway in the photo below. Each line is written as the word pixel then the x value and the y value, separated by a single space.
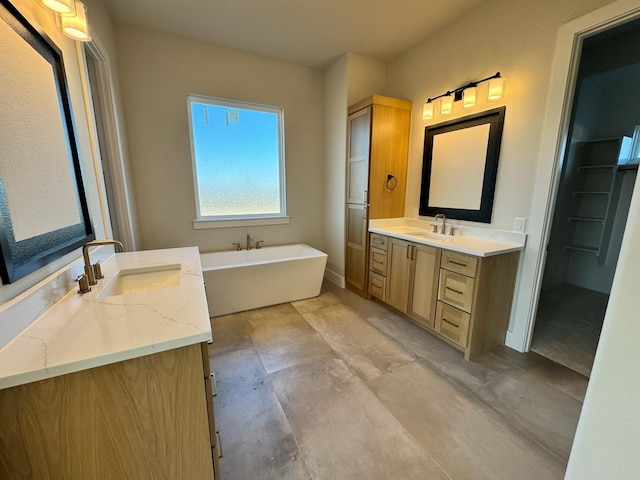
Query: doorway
pixel 592 203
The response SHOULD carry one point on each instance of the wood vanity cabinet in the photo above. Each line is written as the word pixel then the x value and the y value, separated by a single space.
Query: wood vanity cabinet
pixel 464 299
pixel 149 417
pixel 412 279
pixel 377 152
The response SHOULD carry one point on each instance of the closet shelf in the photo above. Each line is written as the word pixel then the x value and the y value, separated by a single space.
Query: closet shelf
pixel 581 248
pixel 593 167
pixel 587 192
pixel 587 219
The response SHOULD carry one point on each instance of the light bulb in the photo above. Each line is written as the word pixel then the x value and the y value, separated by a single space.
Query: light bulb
pixel 76 26
pixel 496 86
pixel 427 111
pixel 446 104
pixel 469 97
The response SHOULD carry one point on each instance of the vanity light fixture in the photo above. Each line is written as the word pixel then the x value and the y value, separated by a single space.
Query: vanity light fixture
pixel 67 7
pixel 467 93
pixel 71 18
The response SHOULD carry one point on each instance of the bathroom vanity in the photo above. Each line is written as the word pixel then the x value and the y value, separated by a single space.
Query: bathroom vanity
pixel 115 383
pixel 458 287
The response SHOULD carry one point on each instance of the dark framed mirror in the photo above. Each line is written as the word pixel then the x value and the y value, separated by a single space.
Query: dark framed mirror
pixel 43 207
pixel 460 166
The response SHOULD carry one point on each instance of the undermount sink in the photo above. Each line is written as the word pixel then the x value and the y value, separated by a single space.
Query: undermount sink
pixel 142 279
pixel 433 235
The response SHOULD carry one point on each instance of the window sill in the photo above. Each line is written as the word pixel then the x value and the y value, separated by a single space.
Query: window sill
pixel 202 224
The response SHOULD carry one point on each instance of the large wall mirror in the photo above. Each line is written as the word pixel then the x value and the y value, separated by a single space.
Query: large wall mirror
pixel 43 208
pixel 460 166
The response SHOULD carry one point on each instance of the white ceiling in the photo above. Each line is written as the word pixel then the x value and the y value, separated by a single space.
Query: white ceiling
pixel 306 32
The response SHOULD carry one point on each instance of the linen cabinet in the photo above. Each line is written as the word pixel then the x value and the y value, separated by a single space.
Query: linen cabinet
pixel 377 150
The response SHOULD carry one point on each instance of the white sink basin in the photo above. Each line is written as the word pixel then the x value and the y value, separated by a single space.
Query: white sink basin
pixel 143 279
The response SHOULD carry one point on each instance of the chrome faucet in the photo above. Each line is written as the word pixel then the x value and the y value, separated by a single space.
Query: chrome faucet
pixel 443 229
pixel 249 238
pixel 90 270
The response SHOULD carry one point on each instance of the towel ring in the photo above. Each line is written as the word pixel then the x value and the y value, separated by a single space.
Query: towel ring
pixel 391 183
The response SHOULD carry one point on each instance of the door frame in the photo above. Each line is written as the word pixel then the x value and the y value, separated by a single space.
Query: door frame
pixel 113 144
pixel 556 127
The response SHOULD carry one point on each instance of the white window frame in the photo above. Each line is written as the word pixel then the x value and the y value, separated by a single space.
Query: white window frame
pixel 223 221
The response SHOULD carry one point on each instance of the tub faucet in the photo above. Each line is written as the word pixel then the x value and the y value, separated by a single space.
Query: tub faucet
pixel 90 270
pixel 443 230
pixel 249 238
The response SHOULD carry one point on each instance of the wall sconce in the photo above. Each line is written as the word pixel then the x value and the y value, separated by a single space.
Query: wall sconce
pixel 467 93
pixel 71 18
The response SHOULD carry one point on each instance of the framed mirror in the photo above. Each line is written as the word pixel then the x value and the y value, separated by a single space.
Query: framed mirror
pixel 460 166
pixel 43 207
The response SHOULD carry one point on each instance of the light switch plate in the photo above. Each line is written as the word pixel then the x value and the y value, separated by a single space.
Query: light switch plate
pixel 519 224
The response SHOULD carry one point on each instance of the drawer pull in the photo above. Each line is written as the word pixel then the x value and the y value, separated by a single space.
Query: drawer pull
pixel 454 290
pixel 377 263
pixel 450 323
pixel 219 444
pixel 376 284
pixel 378 241
pixel 214 387
pixel 458 263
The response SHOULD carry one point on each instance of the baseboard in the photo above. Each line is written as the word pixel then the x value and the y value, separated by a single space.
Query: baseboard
pixel 334 278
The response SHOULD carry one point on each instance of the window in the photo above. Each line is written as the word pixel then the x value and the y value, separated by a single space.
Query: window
pixel 238 162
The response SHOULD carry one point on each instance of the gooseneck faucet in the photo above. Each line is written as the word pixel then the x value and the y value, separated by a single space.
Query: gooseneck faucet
pixel 88 268
pixel 249 238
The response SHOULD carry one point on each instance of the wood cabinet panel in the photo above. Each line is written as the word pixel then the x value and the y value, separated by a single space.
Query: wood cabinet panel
pixel 424 284
pixel 356 251
pixel 378 261
pixel 389 151
pixel 456 290
pixel 377 284
pixel 379 241
pixel 398 270
pixel 144 418
pixel 459 263
pixel 452 323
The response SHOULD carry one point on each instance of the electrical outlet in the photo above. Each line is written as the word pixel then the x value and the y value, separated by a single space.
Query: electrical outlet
pixel 519 224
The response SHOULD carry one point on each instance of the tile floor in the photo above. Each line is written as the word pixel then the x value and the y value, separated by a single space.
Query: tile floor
pixel 339 388
pixel 568 326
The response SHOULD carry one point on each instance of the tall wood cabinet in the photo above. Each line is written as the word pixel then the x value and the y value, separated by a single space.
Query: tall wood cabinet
pixel 377 150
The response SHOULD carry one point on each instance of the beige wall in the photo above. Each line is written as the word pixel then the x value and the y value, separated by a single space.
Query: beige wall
pixel 348 80
pixel 73 62
pixel 157 71
pixel 518 39
pixel 335 141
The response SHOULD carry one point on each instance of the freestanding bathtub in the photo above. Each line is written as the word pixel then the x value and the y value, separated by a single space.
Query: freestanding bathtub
pixel 248 279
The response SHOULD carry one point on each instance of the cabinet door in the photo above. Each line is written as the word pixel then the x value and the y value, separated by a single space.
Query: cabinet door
pixel 356 253
pixel 358 156
pixel 398 270
pixel 424 284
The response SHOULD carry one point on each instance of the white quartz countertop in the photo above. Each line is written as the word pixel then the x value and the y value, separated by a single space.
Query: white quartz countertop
pixel 95 329
pixel 469 240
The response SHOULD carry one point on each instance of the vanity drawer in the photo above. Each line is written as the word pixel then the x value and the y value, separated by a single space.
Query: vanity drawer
pixel 459 263
pixel 379 241
pixel 452 323
pixel 377 285
pixel 456 290
pixel 378 261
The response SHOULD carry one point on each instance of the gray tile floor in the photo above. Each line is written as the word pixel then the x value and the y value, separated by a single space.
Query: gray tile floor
pixel 338 388
pixel 568 326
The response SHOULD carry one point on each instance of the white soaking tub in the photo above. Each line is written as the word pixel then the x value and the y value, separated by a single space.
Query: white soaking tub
pixel 248 279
